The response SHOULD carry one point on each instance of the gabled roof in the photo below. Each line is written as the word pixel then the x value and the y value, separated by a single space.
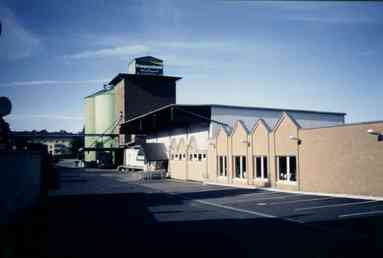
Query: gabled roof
pixel 181 144
pixel 284 116
pixel 259 123
pixel 238 123
pixel 173 145
pixel 224 130
pixel 192 145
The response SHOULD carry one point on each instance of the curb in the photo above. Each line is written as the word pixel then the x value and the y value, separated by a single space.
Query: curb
pixel 362 197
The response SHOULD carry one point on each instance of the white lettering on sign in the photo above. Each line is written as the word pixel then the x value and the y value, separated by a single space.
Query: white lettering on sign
pixel 148 66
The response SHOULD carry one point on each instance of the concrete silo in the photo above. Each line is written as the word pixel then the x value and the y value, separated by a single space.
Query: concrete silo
pixel 105 117
pixel 89 127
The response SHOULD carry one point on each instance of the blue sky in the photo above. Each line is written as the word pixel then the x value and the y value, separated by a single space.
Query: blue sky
pixel 304 55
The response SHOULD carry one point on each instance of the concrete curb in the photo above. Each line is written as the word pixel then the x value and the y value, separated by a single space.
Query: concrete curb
pixel 234 186
pixel 362 197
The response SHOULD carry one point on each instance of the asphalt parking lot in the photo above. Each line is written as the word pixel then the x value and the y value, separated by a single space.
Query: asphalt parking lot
pixel 301 208
pixel 106 211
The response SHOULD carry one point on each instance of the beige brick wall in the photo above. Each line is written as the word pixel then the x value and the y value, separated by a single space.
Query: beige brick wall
pixel 282 145
pixel 177 169
pixel 344 159
pixel 237 138
pixel 212 163
pixel 238 147
pixel 177 166
pixel 259 147
pixel 196 169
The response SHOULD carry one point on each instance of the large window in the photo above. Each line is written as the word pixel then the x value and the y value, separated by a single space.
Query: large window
pixel 260 167
pixel 287 168
pixel 222 166
pixel 240 168
pixel 293 168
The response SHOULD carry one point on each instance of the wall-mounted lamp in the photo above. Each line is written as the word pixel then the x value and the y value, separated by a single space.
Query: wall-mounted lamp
pixel 293 138
pixel 377 134
pixel 245 141
pixel 212 144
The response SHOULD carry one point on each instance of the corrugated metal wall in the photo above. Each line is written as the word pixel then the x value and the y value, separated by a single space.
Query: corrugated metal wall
pixel 249 115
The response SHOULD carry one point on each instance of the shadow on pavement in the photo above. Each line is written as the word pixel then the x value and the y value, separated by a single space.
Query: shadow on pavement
pixel 120 225
pixel 212 194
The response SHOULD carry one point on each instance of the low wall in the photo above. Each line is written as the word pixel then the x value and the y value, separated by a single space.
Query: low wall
pixel 177 169
pixel 20 182
pixel 197 169
pixel 344 159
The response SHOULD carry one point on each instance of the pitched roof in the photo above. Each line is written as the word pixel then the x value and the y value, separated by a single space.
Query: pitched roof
pixel 283 116
pixel 258 123
pixel 239 123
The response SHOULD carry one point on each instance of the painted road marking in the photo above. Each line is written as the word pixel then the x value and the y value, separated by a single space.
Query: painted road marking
pixel 236 209
pixel 261 214
pixel 303 200
pixel 360 214
pixel 260 199
pixel 248 196
pixel 334 205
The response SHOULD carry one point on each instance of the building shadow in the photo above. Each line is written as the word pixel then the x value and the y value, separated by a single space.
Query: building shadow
pixel 121 225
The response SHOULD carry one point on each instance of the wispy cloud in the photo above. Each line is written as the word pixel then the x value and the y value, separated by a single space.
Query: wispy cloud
pixel 50 116
pixel 126 52
pixel 329 13
pixel 51 82
pixel 111 52
pixel 194 44
pixel 16 41
pixel 332 19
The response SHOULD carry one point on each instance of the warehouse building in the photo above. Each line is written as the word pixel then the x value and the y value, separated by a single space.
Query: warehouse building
pixel 343 159
pixel 186 130
pixel 295 150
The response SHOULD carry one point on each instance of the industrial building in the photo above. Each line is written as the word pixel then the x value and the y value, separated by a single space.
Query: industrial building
pixel 126 96
pixel 288 149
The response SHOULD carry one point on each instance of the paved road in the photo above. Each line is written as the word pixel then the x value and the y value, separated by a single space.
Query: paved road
pixel 105 215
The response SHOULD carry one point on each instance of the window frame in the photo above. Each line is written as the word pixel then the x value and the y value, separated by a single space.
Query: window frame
pixel 222 167
pixel 263 165
pixel 242 160
pixel 288 172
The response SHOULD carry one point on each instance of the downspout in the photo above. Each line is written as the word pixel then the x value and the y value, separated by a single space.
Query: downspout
pixel 299 142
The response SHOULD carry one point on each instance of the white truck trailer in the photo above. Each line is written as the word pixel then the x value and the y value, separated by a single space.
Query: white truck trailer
pixel 145 157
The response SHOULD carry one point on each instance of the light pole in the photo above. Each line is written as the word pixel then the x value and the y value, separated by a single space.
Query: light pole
pixel 378 135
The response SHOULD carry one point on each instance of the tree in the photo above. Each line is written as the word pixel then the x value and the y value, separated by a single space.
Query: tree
pixel 75 145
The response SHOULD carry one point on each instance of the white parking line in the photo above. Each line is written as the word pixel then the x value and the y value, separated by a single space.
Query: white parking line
pixel 303 200
pixel 334 205
pixel 235 209
pixel 261 214
pixel 250 196
pixel 259 199
pixel 359 214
